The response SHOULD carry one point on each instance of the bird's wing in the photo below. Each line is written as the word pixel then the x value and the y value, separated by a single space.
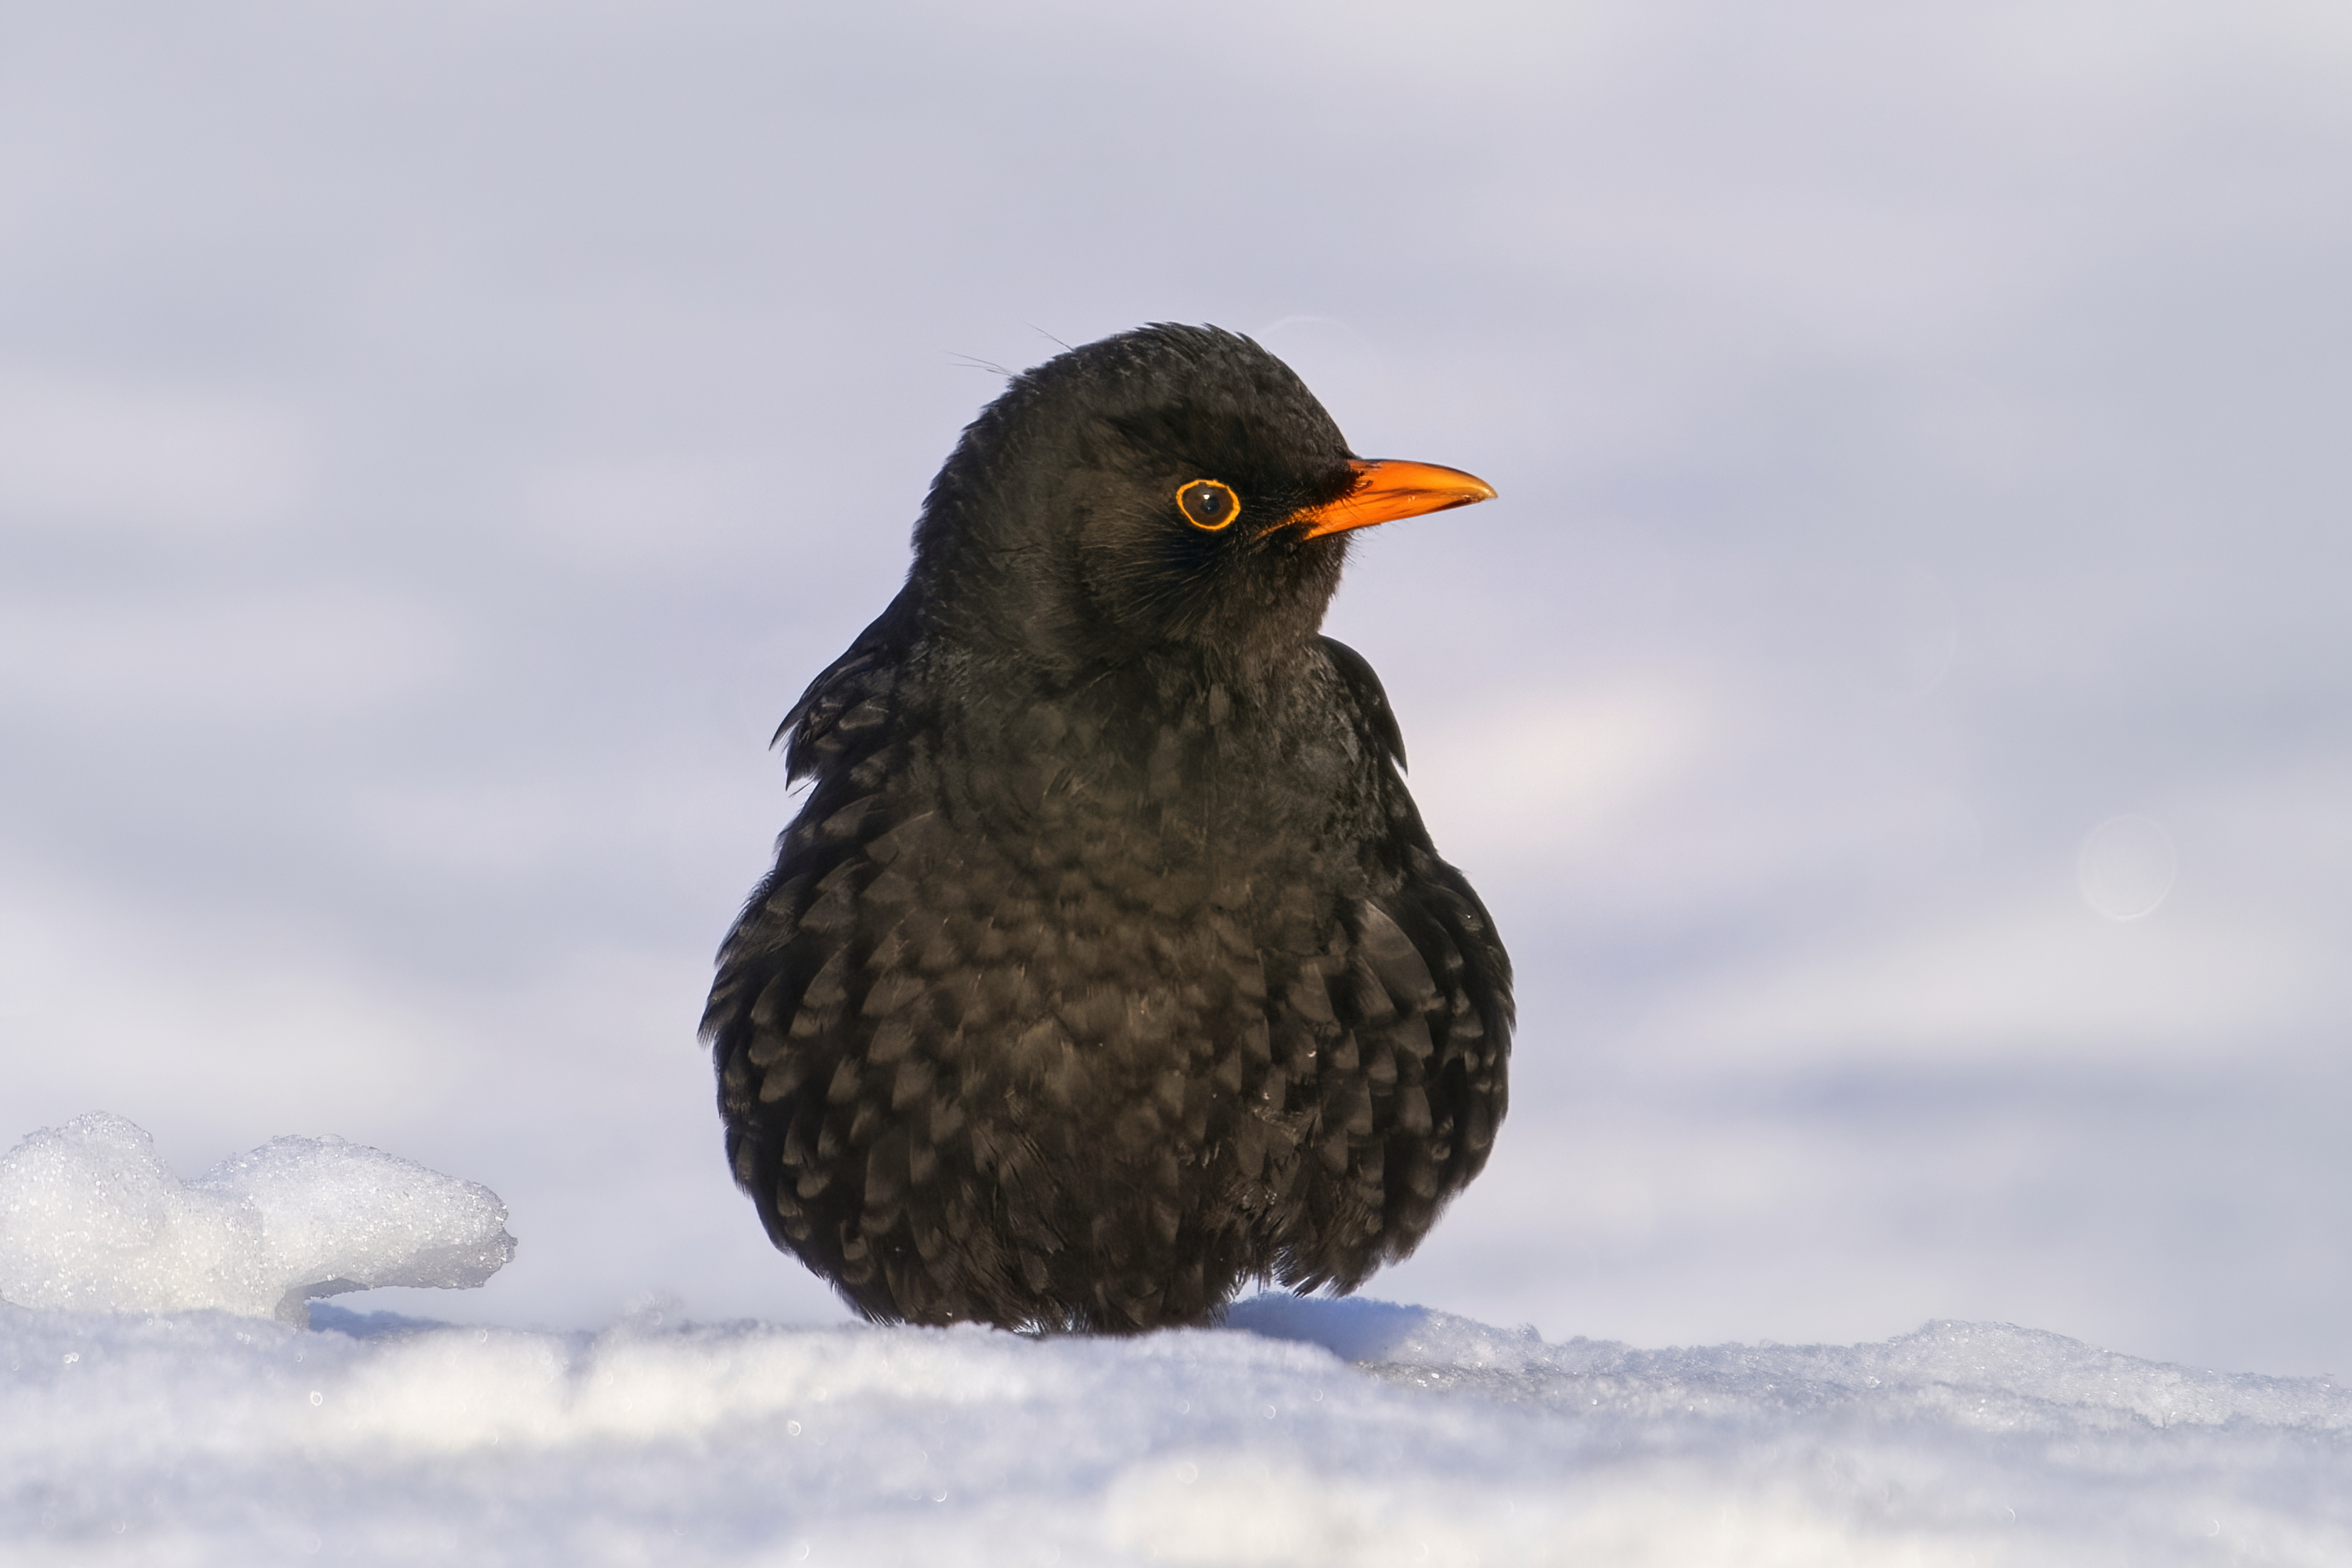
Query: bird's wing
pixel 1375 719
pixel 771 963
pixel 848 699
pixel 1416 1033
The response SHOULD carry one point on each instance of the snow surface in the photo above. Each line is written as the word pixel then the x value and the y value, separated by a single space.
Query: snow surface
pixel 134 1429
pixel 91 1220
pixel 1307 1432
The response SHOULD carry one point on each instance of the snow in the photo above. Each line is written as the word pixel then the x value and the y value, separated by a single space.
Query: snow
pixel 1305 1432
pixel 91 1220
pixel 166 1401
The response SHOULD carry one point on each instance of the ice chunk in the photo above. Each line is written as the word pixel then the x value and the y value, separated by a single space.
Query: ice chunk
pixel 92 1220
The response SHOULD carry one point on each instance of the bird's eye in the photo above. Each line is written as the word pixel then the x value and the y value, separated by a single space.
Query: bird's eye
pixel 1207 504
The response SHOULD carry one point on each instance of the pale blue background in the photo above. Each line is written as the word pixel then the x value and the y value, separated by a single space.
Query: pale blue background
pixel 438 441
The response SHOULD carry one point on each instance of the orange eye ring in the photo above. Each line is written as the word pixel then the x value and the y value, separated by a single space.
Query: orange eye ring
pixel 1209 505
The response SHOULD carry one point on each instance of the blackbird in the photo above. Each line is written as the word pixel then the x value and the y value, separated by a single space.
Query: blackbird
pixel 1107 964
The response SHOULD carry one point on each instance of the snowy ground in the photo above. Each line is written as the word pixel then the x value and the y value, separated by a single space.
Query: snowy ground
pixel 166 1402
pixel 1307 1433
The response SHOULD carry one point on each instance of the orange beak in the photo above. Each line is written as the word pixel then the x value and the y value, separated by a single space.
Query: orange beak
pixel 1386 491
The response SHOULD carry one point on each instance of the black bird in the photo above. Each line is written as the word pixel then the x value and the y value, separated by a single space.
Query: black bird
pixel 1107 964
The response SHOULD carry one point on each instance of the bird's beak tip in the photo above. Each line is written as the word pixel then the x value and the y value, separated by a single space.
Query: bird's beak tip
pixel 1387 489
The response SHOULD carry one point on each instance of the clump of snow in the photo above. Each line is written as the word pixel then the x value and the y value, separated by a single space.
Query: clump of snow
pixel 1323 1434
pixel 92 1220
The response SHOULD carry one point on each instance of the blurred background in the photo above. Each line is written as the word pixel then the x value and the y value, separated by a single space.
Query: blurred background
pixel 1897 712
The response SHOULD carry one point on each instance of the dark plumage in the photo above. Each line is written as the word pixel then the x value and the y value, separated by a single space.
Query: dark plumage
pixel 1107 964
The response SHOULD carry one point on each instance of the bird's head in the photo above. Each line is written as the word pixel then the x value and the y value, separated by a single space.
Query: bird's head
pixel 1168 487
